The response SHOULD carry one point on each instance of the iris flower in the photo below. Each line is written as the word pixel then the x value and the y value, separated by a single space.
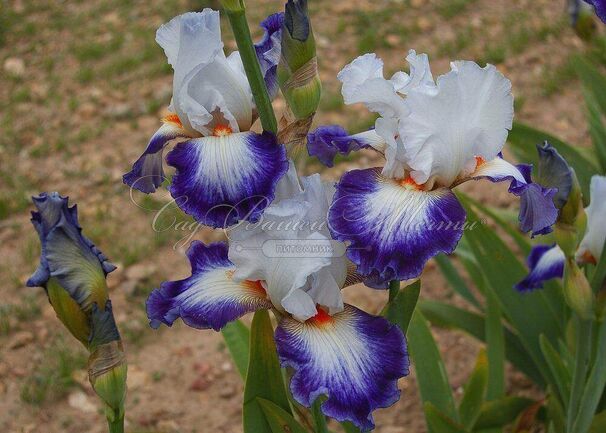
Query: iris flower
pixel 434 136
pixel 224 171
pixel 547 261
pixel 288 262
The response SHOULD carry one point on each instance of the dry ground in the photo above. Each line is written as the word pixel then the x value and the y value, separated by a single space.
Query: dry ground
pixel 82 88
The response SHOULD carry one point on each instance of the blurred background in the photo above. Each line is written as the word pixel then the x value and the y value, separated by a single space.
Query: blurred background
pixel 83 85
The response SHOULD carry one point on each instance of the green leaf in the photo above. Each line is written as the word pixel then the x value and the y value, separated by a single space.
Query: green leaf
pixel 559 371
pixel 592 80
pixel 475 392
pixel 429 368
pixel 495 346
pixel 264 378
pixel 502 271
pixel 454 279
pixel 348 427
pixel 596 127
pixel 237 336
pixel 440 423
pixel 599 273
pixel 595 386
pixel 279 420
pixel 319 418
pixel 400 308
pixel 499 413
pixel 524 138
pixel 449 316
pixel 598 425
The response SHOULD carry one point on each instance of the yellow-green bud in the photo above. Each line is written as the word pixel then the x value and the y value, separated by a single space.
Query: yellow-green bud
pixel 574 204
pixel 577 290
pixel 68 311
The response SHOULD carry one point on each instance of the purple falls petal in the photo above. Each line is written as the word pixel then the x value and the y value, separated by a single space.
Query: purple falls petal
pixel 268 51
pixel 600 8
pixel 329 140
pixel 544 263
pixel 226 179
pixel 77 264
pixel 394 228
pixel 352 357
pixel 147 173
pixel 209 298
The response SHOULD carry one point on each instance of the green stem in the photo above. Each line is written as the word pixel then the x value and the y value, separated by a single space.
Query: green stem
pixel 237 19
pixel 116 426
pixel 319 419
pixel 583 350
pixel 394 288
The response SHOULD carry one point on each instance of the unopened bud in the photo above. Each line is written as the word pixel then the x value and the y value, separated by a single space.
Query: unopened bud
pixel 68 311
pixel 577 290
pixel 573 207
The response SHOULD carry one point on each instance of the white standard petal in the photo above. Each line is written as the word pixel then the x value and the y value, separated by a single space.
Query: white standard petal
pixel 395 167
pixel 363 82
pixel 467 115
pixel 595 235
pixel 207 87
pixel 420 74
pixel 290 249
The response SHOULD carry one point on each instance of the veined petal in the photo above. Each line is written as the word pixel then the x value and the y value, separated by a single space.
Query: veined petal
pixel 352 357
pixel 147 173
pixel 467 115
pixel 222 180
pixel 268 50
pixel 209 298
pixel 363 82
pixel 67 256
pixel 537 208
pixel 554 172
pixel 544 263
pixel 329 140
pixel 393 226
pixel 592 244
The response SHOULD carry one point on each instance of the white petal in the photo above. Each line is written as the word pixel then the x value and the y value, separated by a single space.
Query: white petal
pixel 204 80
pixel 363 82
pixel 595 235
pixel 394 148
pixel 420 74
pixel 468 115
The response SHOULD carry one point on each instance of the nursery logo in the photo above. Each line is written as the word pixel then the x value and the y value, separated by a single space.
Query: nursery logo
pixel 291 236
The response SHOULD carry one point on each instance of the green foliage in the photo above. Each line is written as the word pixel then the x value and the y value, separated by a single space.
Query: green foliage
pixel 237 337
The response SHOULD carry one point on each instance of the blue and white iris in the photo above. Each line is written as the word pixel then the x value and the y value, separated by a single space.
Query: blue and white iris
pixel 434 135
pixel 224 171
pixel 288 262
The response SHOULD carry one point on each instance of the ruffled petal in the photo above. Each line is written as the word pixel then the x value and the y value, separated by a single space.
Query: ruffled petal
pixel 69 257
pixel 205 84
pixel 538 212
pixel 363 82
pixel 269 49
pixel 222 180
pixel 467 115
pixel 544 263
pixel 291 249
pixel 352 357
pixel 329 140
pixel 420 74
pixel 147 173
pixel 393 226
pixel 592 244
pixel 209 298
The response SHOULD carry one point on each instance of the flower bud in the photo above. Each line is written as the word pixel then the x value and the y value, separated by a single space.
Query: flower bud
pixel 107 367
pixel 577 290
pixel 298 73
pixel 68 311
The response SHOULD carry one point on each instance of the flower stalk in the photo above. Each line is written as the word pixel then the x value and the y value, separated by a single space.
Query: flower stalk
pixel 236 13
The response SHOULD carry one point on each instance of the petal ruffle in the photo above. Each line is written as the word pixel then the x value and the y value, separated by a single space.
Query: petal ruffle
pixel 329 140
pixel 393 226
pixel 468 114
pixel 222 180
pixel 147 173
pixel 352 357
pixel 77 264
pixel 209 298
pixel 544 263
pixel 269 49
